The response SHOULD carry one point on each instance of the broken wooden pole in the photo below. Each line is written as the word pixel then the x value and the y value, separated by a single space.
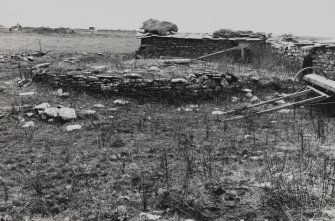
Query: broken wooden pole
pixel 239 47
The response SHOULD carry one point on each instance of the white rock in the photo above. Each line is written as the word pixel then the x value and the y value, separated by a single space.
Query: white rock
pixel 149 216
pixel 89 112
pixel 284 111
pixel 51 111
pixel 67 113
pixel 256 158
pixel 179 80
pixel 121 102
pixel 43 65
pixel 217 112
pixel 234 99
pixel 42 106
pixel 254 99
pixel 98 106
pixel 29 124
pixel 99 68
pixel 246 90
pixel 27 93
pixel 248 137
pixel 113 109
pixel 154 68
pixel 73 127
pixel 188 109
pixel 30 114
pixel 59 92
pixel 249 95
pixel 65 94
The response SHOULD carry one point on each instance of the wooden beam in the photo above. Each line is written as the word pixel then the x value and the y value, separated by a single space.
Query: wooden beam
pixel 297 94
pixel 299 103
pixel 320 81
pixel 239 47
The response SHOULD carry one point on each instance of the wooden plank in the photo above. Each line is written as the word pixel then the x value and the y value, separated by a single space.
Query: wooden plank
pixel 320 81
pixel 239 47
pixel 297 94
pixel 299 103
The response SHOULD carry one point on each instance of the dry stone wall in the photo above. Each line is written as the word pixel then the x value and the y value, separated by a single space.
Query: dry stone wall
pixel 200 84
pixel 298 54
pixel 154 47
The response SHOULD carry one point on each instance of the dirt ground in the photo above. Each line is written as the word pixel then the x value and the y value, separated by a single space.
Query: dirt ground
pixel 157 160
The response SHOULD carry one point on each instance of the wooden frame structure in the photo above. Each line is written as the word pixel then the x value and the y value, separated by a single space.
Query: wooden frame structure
pixel 319 86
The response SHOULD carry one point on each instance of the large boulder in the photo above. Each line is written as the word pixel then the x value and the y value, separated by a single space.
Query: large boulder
pixel 154 26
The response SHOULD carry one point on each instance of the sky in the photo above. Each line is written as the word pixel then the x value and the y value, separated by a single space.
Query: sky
pixel 299 17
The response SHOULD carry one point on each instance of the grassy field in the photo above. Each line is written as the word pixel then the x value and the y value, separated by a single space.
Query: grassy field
pixel 150 158
pixel 114 42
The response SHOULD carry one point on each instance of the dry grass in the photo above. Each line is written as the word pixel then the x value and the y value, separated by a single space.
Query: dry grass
pixel 153 156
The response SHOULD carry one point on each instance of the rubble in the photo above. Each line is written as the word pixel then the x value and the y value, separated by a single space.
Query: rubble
pixel 73 127
pixel 29 124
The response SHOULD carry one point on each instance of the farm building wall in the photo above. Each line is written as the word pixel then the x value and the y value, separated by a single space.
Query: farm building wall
pixel 297 54
pixel 154 47
pixel 302 54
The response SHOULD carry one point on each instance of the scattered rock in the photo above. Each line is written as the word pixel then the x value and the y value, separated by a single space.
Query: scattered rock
pixel 254 79
pixel 179 80
pixel 154 68
pixel 256 158
pixel 67 113
pixel 284 111
pixel 234 99
pixel 121 102
pixel 149 216
pixel 254 99
pixel 59 92
pixel 29 124
pixel 30 114
pixel 42 106
pixel 98 69
pixel 73 127
pixel 88 113
pixel 98 106
pixel 248 137
pixel 43 65
pixel 249 95
pixel 217 112
pixel 51 112
pixel 246 90
pixel 27 93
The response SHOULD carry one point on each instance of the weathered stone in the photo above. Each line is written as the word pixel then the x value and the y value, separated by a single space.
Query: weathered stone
pixel 67 113
pixel 42 106
pixel 179 80
pixel 51 112
pixel 73 127
pixel 29 124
